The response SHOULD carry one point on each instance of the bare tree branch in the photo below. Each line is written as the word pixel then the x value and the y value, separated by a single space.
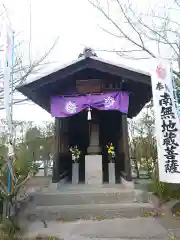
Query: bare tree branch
pixel 28 70
pixel 123 33
pixel 162 30
pixel 158 34
pixel 21 71
pixel 130 23
pixel 177 3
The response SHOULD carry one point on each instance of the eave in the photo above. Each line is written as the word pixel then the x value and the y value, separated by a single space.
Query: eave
pixel 138 83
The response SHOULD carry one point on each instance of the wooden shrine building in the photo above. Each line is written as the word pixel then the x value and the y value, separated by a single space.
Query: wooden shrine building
pixel 90 75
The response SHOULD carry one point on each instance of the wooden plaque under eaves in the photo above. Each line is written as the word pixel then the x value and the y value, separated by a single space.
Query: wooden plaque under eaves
pixel 88 86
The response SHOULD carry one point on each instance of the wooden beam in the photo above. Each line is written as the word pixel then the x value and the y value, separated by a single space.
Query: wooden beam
pixel 127 163
pixel 56 170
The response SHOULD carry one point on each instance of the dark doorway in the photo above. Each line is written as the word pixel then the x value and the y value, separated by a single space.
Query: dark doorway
pixel 110 124
pixel 109 132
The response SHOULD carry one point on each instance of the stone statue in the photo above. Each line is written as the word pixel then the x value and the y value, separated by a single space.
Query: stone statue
pixel 94 147
pixel 87 52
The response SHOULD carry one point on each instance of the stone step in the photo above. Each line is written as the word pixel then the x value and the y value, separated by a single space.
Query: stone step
pixel 119 229
pixel 87 211
pixel 77 198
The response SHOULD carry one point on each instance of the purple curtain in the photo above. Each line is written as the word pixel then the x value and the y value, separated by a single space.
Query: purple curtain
pixel 62 106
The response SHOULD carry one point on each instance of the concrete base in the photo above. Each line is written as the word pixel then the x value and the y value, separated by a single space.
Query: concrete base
pixel 54 186
pixel 93 169
pixel 61 182
pixel 75 173
pixel 127 184
pixel 112 178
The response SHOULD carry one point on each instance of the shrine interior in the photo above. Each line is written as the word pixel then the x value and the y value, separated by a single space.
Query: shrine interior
pixel 109 132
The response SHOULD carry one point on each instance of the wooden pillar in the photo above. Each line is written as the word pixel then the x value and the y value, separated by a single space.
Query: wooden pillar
pixel 55 172
pixel 60 148
pixel 127 162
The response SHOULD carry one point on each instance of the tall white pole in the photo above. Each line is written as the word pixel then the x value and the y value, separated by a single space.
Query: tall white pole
pixel 8 101
pixel 8 82
pixel 30 32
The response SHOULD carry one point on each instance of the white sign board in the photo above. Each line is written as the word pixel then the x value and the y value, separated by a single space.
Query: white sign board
pixel 167 123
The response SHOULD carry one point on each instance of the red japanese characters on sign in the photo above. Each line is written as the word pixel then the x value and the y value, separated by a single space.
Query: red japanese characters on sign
pixel 161 72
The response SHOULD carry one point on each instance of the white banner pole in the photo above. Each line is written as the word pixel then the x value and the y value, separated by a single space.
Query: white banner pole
pixel 166 121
